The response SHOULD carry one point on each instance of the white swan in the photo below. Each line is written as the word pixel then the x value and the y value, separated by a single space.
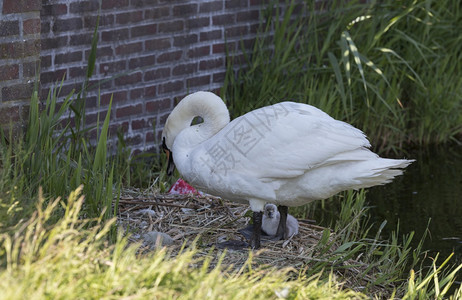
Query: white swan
pixel 287 154
pixel 270 222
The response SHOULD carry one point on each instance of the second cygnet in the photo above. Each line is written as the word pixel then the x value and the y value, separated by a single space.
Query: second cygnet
pixel 271 218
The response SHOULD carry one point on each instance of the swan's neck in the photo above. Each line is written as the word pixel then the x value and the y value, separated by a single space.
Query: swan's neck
pixel 206 105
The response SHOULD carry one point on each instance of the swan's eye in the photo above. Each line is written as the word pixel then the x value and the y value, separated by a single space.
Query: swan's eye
pixel 197 120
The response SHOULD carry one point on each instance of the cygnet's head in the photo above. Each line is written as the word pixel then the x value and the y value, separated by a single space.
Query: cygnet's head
pixel 271 211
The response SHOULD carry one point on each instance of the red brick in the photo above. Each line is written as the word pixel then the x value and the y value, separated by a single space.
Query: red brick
pixel 184 69
pixel 210 35
pixel 149 139
pixel 157 44
pixel 130 17
pixel 129 48
pixel 77 72
pixel 45 27
pixel 223 19
pixel 91 102
pixel 84 6
pixel 171 86
pixel 198 52
pixel 143 123
pixel 9 72
pixel 113 67
pixel 54 10
pixel 219 77
pixel 117 97
pixel 211 6
pixel 198 81
pixel 115 35
pixel 236 3
pixel 100 84
pixel 144 30
pixel 129 110
pixel 254 28
pixel 184 10
pixel 134 139
pixel 150 91
pixel 68 57
pixel 52 76
pixel 111 4
pixel 167 27
pixel 258 2
pixel 122 127
pixel 157 12
pixel 9 28
pixel 80 39
pixel 157 74
pixel 212 63
pixel 31 26
pixel 29 69
pixel 129 79
pixel 236 31
pixel 139 124
pixel 221 48
pixel 20 91
pixel 249 43
pixel 197 22
pixel 20 49
pixel 20 6
pixel 31 48
pixel 238 59
pixel 54 43
pixel 104 20
pixel 136 93
pixel 9 115
pixel 169 56
pixel 181 41
pixel 158 105
pixel 140 62
pixel 45 61
pixel 251 15
pixel 101 51
pixel 61 25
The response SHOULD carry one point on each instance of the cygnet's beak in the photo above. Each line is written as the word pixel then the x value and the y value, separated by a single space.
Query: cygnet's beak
pixel 170 163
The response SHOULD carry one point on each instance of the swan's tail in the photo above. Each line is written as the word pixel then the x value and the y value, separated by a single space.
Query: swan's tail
pixel 382 171
pixel 368 169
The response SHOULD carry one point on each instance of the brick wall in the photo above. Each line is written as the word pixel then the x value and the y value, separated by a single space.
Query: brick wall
pixel 150 53
pixel 19 57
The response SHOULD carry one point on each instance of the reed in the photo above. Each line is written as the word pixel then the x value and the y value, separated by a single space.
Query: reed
pixel 391 68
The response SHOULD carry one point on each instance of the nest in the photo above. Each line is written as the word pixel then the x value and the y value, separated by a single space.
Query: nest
pixel 207 221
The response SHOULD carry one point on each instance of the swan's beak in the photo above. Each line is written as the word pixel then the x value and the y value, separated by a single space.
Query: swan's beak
pixel 170 163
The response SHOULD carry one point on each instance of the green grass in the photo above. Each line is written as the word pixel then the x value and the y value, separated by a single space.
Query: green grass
pixel 391 68
pixel 68 260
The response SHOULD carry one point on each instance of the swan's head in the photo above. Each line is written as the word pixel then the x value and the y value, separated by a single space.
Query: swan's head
pixel 271 210
pixel 206 105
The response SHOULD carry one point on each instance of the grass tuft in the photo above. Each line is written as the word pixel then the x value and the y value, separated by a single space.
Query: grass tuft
pixel 69 260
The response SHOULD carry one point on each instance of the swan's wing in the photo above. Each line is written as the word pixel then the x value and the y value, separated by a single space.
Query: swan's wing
pixel 281 141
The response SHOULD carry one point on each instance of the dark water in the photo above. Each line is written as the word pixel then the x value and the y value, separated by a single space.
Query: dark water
pixel 431 188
